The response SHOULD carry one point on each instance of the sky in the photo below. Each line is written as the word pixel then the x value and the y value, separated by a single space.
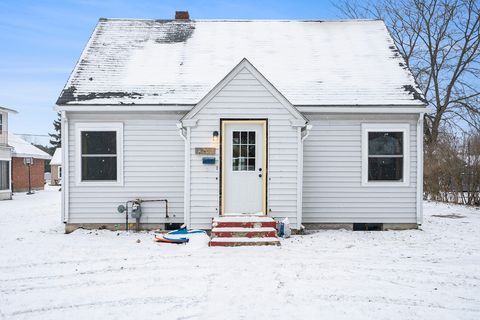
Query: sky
pixel 41 41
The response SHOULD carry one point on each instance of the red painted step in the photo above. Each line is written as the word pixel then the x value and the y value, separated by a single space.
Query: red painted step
pixel 236 242
pixel 244 232
pixel 244 222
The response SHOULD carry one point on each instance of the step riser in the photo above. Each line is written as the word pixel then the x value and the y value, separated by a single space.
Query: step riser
pixel 240 231
pixel 229 234
pixel 242 244
pixel 271 224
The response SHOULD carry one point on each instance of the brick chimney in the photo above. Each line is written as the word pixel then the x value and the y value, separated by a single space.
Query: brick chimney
pixel 182 15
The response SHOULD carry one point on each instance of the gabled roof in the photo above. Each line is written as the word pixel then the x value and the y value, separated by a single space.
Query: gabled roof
pixel 24 149
pixel 56 158
pixel 245 64
pixel 351 62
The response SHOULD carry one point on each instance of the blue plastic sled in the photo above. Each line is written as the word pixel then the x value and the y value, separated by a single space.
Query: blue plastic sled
pixel 177 236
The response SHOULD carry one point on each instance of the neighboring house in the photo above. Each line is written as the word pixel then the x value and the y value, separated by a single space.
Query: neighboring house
pixel 24 152
pixel 5 155
pixel 56 168
pixel 319 122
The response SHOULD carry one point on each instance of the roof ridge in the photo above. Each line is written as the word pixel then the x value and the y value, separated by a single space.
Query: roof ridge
pixel 242 20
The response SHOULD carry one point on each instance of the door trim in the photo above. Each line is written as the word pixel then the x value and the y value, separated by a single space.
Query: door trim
pixel 264 123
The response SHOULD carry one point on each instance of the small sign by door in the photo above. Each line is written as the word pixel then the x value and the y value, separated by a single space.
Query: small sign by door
pixel 205 151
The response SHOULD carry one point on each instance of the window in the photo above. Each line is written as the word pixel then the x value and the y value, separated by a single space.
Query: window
pixel 1 123
pixel 243 150
pixel 385 156
pixel 4 175
pixel 99 159
pixel 59 172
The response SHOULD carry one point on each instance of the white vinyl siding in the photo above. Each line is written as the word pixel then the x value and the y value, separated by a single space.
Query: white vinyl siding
pixel 332 183
pixel 153 168
pixel 244 97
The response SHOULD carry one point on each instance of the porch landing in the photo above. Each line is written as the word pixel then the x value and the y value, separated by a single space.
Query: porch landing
pixel 232 231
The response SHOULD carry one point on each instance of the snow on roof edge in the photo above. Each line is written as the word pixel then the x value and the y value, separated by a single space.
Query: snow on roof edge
pixel 56 158
pixel 243 20
pixel 22 148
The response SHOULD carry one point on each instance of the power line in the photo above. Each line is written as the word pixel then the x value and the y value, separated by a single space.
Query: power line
pixel 33 135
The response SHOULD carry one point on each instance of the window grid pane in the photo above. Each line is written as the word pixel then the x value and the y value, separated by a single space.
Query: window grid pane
pixel 243 150
pixel 99 168
pixel 99 142
pixel 385 143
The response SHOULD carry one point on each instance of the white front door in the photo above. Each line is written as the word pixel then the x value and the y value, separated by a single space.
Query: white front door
pixel 243 167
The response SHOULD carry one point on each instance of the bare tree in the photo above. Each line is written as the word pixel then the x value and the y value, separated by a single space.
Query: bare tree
pixel 470 175
pixel 439 40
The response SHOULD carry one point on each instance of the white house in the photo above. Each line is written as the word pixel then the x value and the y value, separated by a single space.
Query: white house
pixel 56 168
pixel 5 155
pixel 317 121
pixel 27 165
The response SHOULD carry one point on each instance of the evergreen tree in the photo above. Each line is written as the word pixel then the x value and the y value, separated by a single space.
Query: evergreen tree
pixel 56 138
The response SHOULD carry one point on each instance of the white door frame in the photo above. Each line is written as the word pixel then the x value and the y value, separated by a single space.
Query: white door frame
pixel 264 124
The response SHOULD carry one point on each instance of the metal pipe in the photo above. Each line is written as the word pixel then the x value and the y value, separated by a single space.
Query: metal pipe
pixel 159 200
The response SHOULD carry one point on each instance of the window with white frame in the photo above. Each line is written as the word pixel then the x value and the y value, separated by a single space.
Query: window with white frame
pixel 385 154
pixel 1 123
pixel 59 172
pixel 4 175
pixel 99 153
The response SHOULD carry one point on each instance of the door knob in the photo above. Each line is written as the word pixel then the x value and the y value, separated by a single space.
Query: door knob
pixel 260 169
pixel 260 175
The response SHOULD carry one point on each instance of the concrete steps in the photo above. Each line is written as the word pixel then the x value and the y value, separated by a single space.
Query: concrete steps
pixel 232 231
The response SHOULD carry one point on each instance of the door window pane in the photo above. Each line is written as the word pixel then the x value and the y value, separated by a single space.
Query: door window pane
pixel 236 164
pixel 236 137
pixel 243 137
pixel 243 164
pixel 251 164
pixel 251 137
pixel 236 151
pixel 251 151
pixel 243 150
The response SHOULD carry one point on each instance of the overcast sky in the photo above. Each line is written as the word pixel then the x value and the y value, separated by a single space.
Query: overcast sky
pixel 41 40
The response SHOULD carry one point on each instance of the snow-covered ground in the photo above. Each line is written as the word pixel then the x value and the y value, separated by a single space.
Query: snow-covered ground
pixel 433 273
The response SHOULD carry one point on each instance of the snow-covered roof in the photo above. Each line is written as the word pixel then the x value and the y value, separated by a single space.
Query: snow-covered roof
pixel 350 62
pixel 24 149
pixel 57 158
pixel 8 110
